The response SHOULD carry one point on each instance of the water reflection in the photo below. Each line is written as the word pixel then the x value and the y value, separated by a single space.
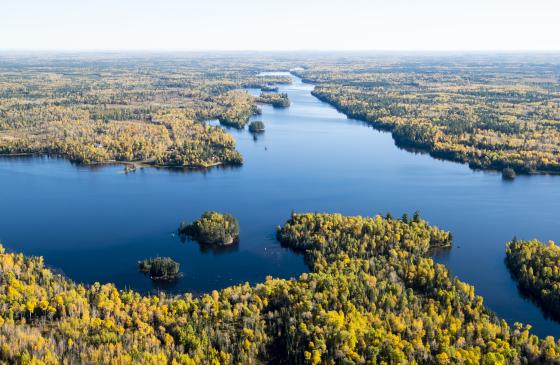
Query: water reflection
pixel 208 248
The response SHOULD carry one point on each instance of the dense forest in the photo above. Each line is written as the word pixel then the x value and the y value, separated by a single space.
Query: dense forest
pixel 160 268
pixel 536 267
pixel 256 126
pixel 489 113
pixel 109 110
pixel 238 107
pixel 373 296
pixel 492 113
pixel 275 99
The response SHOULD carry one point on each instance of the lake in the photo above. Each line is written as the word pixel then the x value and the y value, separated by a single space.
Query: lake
pixel 94 224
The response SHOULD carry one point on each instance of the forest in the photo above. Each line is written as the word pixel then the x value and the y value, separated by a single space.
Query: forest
pixel 160 268
pixel 536 267
pixel 372 296
pixel 148 111
pixel 212 228
pixel 256 126
pixel 274 99
pixel 491 114
pixel 500 114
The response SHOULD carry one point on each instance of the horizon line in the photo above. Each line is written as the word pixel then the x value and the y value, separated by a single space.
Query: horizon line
pixel 302 50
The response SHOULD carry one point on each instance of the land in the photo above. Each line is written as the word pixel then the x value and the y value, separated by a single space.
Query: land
pixel 492 112
pixel 256 127
pixel 274 99
pixel 95 109
pixel 269 88
pixel 160 268
pixel 212 228
pixel 373 295
pixel 536 267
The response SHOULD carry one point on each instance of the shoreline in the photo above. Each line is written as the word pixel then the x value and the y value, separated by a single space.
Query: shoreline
pixel 135 164
pixel 422 149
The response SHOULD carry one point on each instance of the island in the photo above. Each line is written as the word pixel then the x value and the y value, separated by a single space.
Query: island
pixel 212 228
pixel 508 173
pixel 269 88
pixel 276 100
pixel 256 127
pixel 160 268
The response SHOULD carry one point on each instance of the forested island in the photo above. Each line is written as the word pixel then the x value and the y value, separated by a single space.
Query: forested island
pixel 256 127
pixel 212 228
pixel 269 88
pixel 95 110
pixel 490 114
pixel 536 267
pixel 274 99
pixel 373 296
pixel 160 268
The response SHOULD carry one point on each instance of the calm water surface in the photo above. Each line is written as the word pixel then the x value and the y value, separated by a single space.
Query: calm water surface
pixel 95 224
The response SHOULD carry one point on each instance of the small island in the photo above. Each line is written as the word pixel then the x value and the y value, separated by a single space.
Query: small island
pixel 276 100
pixel 508 173
pixel 256 127
pixel 269 88
pixel 212 228
pixel 160 268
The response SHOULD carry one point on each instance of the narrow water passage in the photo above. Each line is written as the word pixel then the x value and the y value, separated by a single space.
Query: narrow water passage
pixel 95 224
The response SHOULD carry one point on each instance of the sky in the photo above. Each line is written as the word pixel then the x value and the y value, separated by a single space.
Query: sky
pixel 175 25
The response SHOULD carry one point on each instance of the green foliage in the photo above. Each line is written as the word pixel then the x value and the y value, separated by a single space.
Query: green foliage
pixel 256 126
pixel 238 107
pixel 373 297
pixel 489 113
pixel 149 111
pixel 269 88
pixel 508 173
pixel 276 100
pixel 537 269
pixel 160 268
pixel 212 228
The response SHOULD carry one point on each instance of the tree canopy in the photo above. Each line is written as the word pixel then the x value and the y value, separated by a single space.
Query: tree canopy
pixel 212 228
pixel 491 114
pixel 372 296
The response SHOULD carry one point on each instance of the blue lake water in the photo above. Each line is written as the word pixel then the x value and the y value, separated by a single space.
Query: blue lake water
pixel 95 224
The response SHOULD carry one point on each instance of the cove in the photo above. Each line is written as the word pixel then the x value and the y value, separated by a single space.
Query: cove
pixel 94 224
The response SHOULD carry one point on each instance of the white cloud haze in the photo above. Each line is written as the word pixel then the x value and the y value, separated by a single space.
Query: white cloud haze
pixel 280 25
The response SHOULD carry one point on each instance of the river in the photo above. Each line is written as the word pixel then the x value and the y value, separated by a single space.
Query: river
pixel 95 224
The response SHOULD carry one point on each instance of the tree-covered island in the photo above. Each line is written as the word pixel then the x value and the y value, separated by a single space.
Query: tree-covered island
pixel 212 228
pixel 256 126
pixel 274 99
pixel 160 268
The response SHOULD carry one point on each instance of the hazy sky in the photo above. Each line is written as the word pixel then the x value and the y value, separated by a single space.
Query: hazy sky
pixel 280 24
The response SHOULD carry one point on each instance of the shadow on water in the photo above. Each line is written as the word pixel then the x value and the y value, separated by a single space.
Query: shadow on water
pixel 530 297
pixel 208 248
pixel 30 159
pixel 164 285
